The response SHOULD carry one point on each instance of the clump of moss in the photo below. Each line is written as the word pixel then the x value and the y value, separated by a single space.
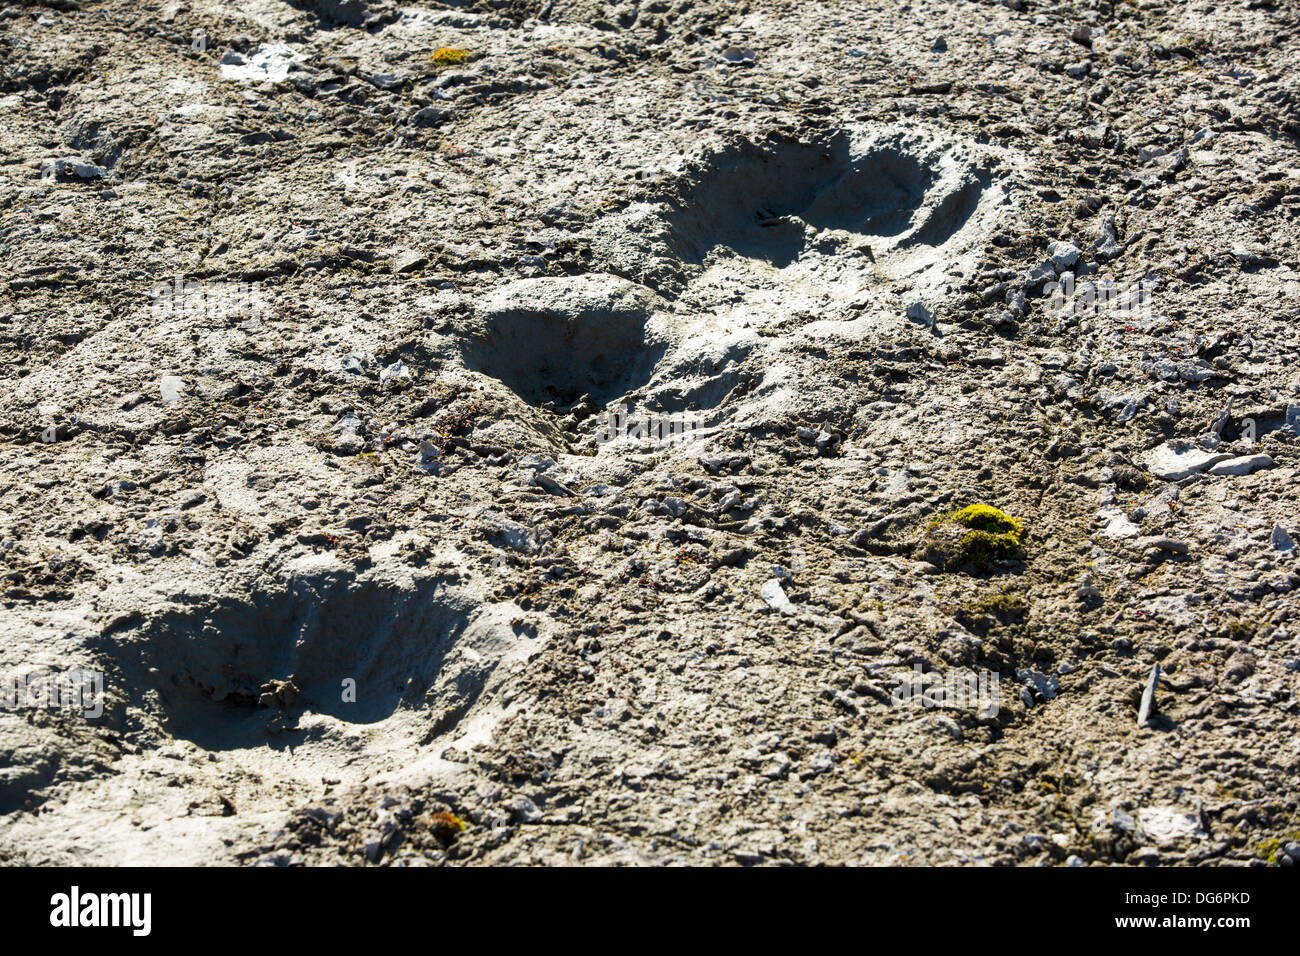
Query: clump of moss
pixel 1241 630
pixel 983 549
pixel 449 56
pixel 447 826
pixel 985 613
pixel 1010 607
pixel 1271 849
pixel 990 520
pixel 977 536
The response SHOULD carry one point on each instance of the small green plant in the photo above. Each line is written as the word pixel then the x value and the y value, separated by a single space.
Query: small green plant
pixel 990 611
pixel 977 536
pixel 1271 849
pixel 984 548
pixel 449 56
pixel 1241 630
pixel 1009 606
pixel 990 520
pixel 447 826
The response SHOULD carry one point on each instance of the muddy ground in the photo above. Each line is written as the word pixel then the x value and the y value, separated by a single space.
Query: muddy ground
pixel 327 330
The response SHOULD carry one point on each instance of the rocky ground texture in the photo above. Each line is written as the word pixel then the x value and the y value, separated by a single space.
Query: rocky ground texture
pixel 313 316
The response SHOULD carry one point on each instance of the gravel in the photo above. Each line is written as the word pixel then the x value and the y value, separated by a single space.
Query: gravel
pixel 835 244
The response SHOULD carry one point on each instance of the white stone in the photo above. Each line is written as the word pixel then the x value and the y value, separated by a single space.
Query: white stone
pixel 775 597
pixel 171 388
pixel 269 63
pixel 1281 540
pixel 1063 255
pixel 1242 466
pixel 1165 824
pixel 1173 464
pixel 917 312
pixel 1118 524
pixel 393 372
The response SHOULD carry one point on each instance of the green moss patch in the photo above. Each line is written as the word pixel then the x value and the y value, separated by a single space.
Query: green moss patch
pixel 977 537
pixel 449 56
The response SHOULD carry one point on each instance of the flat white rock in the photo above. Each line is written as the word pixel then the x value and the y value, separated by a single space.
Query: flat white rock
pixel 171 388
pixel 1118 524
pixel 775 597
pixel 1174 464
pixel 1165 824
pixel 1281 540
pixel 1244 465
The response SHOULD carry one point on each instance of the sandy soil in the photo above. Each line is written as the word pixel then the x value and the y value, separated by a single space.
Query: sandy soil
pixel 547 432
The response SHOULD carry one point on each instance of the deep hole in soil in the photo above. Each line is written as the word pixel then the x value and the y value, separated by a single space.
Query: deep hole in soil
pixel 209 666
pixel 559 352
pixel 746 199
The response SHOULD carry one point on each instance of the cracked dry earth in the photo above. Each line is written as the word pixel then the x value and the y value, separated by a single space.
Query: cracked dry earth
pixel 310 335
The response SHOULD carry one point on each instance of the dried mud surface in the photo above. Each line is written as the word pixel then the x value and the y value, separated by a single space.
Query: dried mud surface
pixel 820 233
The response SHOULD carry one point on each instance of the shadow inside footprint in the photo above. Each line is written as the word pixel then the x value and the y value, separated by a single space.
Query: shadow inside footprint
pixel 766 202
pixel 559 339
